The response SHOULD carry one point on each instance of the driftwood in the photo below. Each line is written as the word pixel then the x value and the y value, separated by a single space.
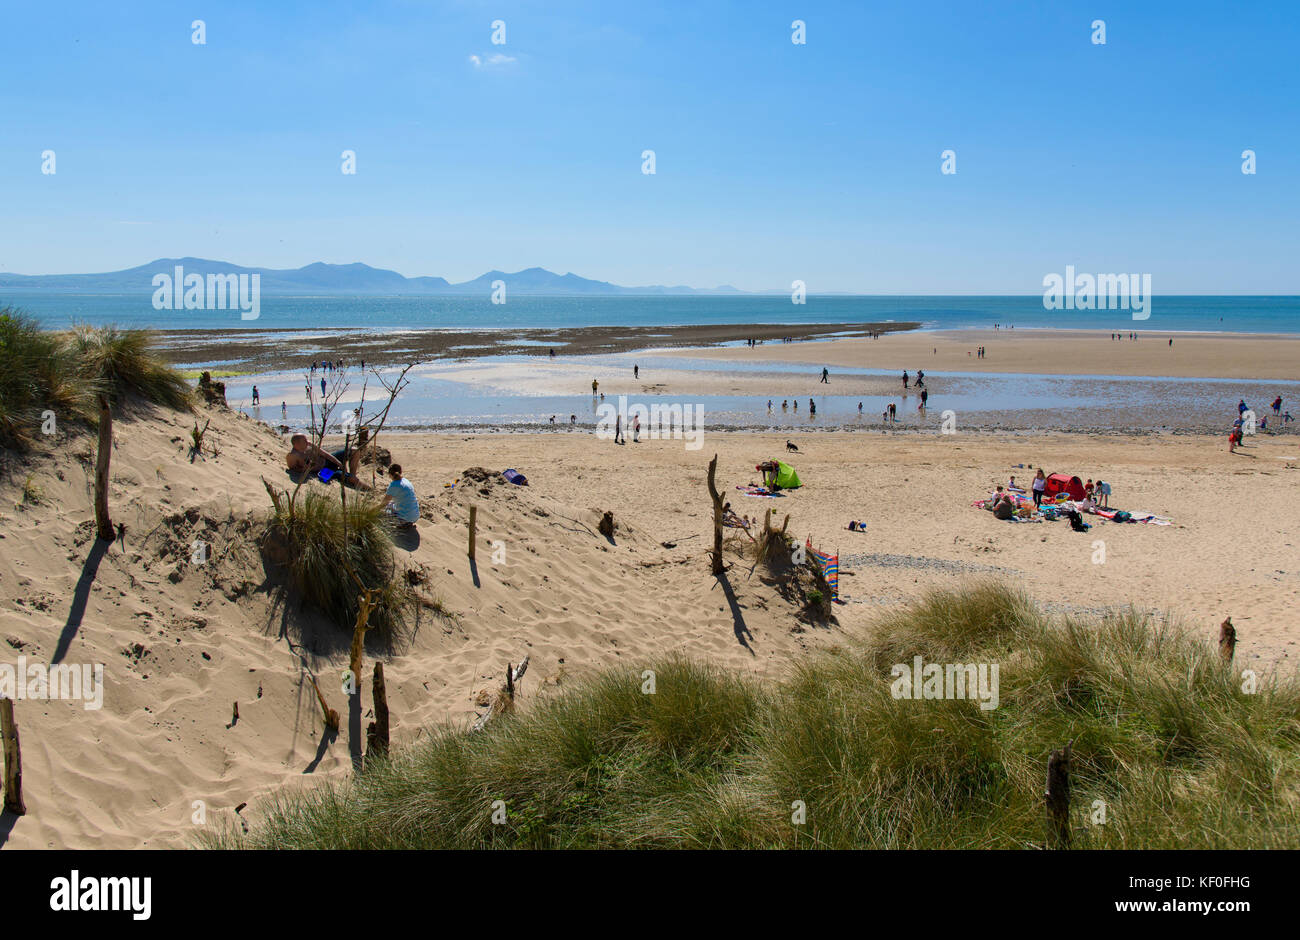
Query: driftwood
pixel 275 496
pixel 365 603
pixel 1227 641
pixel 377 732
pixel 1057 798
pixel 606 525
pixel 505 697
pixel 717 567
pixel 103 524
pixel 330 715
pixel 13 760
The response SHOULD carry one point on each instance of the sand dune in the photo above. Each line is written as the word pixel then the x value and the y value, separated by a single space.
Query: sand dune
pixel 182 643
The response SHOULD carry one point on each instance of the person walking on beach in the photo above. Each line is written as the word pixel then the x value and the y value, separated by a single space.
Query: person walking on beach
pixel 284 412
pixel 904 378
pixel 812 408
pixel 322 386
pixel 826 376
pixel 1039 486
pixel 1171 341
pixel 257 399
pixel 594 386
pixel 636 371
pixel 1277 405
pixel 618 430
pixel 925 396
pixel 636 429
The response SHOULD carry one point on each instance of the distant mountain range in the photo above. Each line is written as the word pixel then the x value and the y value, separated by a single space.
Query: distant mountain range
pixel 321 278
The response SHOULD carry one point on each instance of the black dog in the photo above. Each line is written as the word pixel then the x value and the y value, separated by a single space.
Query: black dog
pixel 789 446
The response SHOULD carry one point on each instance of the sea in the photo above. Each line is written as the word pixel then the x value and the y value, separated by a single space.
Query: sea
pixel 440 399
pixel 1234 314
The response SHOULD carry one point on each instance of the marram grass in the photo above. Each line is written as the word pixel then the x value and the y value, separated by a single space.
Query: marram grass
pixel 1169 752
pixel 44 372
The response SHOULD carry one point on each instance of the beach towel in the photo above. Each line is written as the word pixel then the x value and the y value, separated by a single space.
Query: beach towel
pixel 753 490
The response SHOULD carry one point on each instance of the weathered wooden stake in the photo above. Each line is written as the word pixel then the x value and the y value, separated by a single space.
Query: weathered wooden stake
pixel 330 715
pixel 606 525
pixel 103 524
pixel 13 760
pixel 377 732
pixel 1227 641
pixel 473 529
pixel 1057 798
pixel 714 495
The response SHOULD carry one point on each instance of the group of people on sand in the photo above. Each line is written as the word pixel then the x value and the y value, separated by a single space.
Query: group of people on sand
pixel 1241 425
pixel 327 365
pixel 1004 502
pixel 306 459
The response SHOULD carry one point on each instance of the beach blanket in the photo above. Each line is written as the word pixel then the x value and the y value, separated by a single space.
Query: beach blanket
pixel 515 477
pixel 829 565
pixel 1059 510
pixel 753 490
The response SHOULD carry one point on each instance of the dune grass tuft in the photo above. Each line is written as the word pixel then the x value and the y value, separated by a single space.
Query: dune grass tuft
pixel 124 361
pixel 43 371
pixel 1169 751
pixel 311 545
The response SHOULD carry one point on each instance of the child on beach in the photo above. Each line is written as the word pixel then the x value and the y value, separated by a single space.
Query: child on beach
pixel 1039 486
pixel 400 499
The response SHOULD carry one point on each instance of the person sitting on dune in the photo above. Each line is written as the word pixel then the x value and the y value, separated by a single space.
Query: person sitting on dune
pixel 400 499
pixel 305 457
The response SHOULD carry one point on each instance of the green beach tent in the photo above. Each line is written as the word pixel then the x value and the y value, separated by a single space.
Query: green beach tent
pixel 783 477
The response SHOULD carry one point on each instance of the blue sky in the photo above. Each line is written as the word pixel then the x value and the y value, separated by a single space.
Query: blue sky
pixel 774 161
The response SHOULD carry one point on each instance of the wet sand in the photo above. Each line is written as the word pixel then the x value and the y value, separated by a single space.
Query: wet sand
pixel 274 350
pixel 1067 352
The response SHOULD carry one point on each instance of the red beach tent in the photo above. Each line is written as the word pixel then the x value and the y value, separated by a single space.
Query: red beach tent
pixel 1062 483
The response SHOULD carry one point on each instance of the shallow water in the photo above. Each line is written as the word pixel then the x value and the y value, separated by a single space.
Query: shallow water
pixel 440 397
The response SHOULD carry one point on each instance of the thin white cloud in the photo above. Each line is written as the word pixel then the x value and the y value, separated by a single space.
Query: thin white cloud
pixel 492 60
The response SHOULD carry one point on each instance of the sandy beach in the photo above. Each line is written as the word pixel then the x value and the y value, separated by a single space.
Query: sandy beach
pixel 184 643
pixel 1063 352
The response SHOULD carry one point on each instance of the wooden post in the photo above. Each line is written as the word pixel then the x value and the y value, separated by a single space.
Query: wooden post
pixel 473 529
pixel 510 681
pixel 606 525
pixel 13 760
pixel 1057 798
pixel 714 495
pixel 103 524
pixel 1227 641
pixel 377 732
